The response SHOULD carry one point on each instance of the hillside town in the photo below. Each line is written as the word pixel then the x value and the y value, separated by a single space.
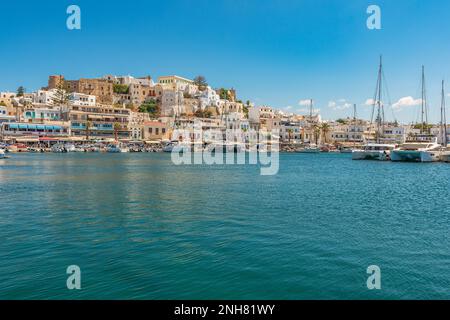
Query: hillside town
pixel 145 112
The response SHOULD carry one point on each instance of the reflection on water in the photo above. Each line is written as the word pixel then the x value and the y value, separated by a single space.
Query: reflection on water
pixel 140 227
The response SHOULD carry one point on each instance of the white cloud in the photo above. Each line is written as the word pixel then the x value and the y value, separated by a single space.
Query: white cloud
pixel 369 102
pixel 288 108
pixel 305 102
pixel 341 104
pixel 308 110
pixel 406 102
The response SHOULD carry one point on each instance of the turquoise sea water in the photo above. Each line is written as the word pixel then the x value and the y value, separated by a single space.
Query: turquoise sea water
pixel 142 228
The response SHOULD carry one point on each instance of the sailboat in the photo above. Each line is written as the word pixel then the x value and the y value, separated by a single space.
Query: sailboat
pixel 376 150
pixel 445 154
pixel 348 149
pixel 421 147
pixel 311 147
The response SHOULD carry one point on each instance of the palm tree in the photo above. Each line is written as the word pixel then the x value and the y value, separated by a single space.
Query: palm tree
pixel 316 132
pixel 290 135
pixel 117 127
pixel 325 127
pixel 88 127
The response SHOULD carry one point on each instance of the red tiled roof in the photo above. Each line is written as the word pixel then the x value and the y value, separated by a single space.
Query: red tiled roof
pixel 154 124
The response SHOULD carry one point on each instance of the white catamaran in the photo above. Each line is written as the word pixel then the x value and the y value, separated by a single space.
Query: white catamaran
pixel 376 150
pixel 421 147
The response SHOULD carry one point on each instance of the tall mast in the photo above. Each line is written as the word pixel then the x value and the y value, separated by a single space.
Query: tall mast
pixel 354 124
pixel 379 104
pixel 443 117
pixel 424 111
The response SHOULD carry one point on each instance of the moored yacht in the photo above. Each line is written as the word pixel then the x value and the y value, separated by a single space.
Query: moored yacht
pixel 2 154
pixel 423 146
pixel 418 150
pixel 445 155
pixel 377 149
pixel 373 151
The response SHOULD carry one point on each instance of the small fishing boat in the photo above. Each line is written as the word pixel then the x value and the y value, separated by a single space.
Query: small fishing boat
pixel 58 148
pixel 312 148
pixel 2 154
pixel 346 150
pixel 70 147
pixel 117 148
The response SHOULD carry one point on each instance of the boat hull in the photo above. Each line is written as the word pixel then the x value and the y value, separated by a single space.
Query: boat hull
pixel 445 157
pixel 312 150
pixel 370 155
pixel 414 156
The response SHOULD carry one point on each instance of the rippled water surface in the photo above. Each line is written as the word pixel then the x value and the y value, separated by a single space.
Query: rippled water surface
pixel 142 228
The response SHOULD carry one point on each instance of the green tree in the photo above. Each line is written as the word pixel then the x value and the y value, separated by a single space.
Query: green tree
pixel 199 113
pixel 316 132
pixel 88 128
pixel 207 114
pixel 61 97
pixel 121 88
pixel 246 107
pixel 117 128
pixel 223 94
pixel 150 107
pixel 20 91
pixel 200 81
pixel 290 131
pixel 423 126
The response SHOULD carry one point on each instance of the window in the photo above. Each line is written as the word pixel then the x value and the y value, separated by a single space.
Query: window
pixel 150 130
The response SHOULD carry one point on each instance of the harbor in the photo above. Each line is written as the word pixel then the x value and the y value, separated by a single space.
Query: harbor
pixel 142 228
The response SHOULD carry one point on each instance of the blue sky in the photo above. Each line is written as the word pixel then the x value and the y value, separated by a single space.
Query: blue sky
pixel 276 52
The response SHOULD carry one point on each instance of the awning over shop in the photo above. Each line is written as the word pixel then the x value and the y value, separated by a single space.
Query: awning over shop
pixel 28 139
pixel 48 139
